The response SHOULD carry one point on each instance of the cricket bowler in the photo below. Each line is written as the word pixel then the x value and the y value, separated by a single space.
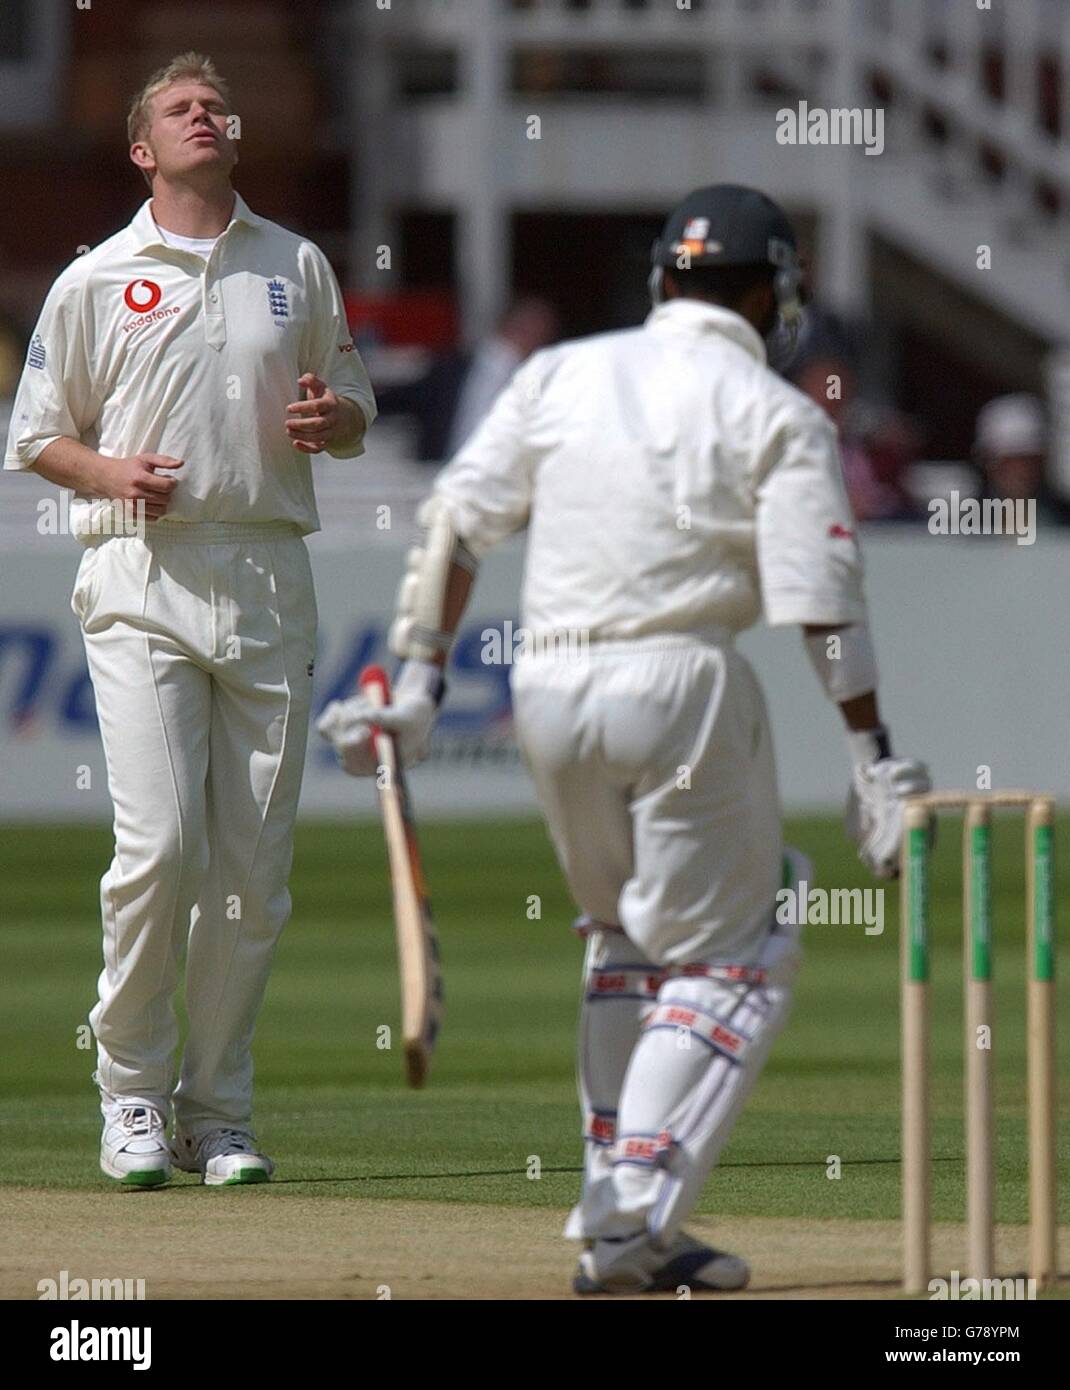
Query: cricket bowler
pixel 179 377
pixel 674 490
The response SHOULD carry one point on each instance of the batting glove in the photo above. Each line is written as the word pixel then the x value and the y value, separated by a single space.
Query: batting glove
pixel 410 717
pixel 879 787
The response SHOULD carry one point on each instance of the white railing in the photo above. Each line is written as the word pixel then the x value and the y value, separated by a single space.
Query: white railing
pixel 976 103
pixel 748 22
pixel 902 40
pixel 895 38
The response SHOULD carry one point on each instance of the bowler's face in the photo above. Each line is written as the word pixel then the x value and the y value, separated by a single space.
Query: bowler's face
pixel 189 130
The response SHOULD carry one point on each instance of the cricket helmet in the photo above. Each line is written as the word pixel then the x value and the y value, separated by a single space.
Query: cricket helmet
pixel 727 224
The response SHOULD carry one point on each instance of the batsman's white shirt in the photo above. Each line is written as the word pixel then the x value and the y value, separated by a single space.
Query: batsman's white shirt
pixel 200 634
pixel 668 479
pixel 673 488
pixel 143 347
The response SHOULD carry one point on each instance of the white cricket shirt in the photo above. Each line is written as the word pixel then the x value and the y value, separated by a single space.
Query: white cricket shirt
pixel 670 482
pixel 144 347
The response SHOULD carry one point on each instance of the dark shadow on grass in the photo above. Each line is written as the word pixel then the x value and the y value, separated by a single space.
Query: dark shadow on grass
pixel 568 1168
pixel 828 1284
pixel 194 1185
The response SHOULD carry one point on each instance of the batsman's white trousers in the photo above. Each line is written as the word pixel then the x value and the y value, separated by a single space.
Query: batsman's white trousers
pixel 654 766
pixel 200 641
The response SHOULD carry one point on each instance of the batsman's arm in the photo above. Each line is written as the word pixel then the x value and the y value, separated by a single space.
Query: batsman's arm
pixel 846 666
pixel 459 583
pixel 435 589
pixel 811 572
pixel 482 496
pixel 843 659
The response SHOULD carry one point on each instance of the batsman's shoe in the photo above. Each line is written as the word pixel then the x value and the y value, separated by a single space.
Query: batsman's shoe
pixel 223 1157
pixel 134 1148
pixel 633 1266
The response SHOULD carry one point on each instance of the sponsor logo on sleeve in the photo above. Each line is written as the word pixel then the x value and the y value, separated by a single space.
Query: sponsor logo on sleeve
pixel 36 355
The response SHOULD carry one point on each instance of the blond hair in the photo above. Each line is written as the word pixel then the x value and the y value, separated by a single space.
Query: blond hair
pixel 187 67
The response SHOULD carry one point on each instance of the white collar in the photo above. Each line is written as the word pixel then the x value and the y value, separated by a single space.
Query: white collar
pixel 696 316
pixel 147 233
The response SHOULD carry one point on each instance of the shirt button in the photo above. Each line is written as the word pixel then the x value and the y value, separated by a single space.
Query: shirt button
pixel 213 299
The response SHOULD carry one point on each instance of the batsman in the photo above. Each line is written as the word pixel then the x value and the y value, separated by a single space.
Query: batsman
pixel 675 489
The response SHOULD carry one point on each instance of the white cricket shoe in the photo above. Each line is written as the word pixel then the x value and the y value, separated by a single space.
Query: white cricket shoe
pixel 632 1265
pixel 133 1148
pixel 223 1157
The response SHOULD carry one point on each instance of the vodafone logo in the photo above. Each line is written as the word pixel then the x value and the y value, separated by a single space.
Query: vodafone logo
pixel 142 296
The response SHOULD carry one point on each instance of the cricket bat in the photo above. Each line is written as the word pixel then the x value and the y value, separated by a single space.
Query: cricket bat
pixel 418 958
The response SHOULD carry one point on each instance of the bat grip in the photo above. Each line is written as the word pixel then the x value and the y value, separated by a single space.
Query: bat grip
pixel 374 683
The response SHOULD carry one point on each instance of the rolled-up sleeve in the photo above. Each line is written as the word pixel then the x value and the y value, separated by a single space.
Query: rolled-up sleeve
pixel 56 398
pixel 329 350
pixel 809 560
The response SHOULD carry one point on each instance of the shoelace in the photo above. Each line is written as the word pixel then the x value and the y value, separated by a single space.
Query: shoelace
pixel 229 1141
pixel 138 1119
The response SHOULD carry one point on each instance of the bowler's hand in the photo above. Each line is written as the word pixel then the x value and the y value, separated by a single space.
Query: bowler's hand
pixel 138 479
pixel 320 419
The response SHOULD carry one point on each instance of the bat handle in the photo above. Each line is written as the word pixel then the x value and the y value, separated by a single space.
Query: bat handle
pixel 375 683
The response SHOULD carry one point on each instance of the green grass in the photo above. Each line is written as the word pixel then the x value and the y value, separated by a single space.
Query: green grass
pixel 331 1106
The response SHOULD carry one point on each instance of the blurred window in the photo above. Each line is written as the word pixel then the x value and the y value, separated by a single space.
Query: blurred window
pixel 427 72
pixel 680 74
pixel 34 41
pixel 14 31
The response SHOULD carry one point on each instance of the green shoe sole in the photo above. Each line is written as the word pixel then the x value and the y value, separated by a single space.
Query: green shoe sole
pixel 151 1177
pixel 244 1176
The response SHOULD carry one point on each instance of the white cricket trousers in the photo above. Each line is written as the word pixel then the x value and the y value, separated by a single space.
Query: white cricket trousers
pixel 200 640
pixel 654 766
pixel 653 763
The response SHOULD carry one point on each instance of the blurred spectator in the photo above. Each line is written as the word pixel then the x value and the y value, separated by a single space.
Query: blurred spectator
pixel 460 387
pixel 1011 450
pixel 1011 445
pixel 884 445
pixel 877 445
